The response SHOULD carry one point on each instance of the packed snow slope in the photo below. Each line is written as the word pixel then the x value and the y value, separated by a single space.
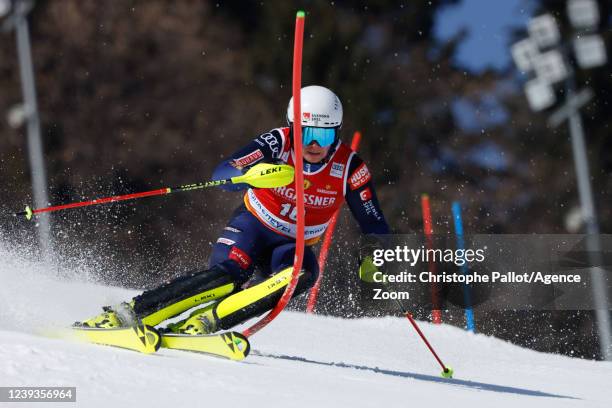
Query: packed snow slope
pixel 298 360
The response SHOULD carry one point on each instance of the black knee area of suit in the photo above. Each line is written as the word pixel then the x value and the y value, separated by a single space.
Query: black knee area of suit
pixel 310 277
pixel 181 288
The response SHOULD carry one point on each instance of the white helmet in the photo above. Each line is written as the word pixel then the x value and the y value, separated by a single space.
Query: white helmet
pixel 320 107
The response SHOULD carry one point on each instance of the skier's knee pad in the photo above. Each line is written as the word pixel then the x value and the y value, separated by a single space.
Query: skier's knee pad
pixel 233 259
pixel 257 299
pixel 183 293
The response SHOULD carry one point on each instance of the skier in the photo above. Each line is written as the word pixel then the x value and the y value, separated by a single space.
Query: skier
pixel 260 236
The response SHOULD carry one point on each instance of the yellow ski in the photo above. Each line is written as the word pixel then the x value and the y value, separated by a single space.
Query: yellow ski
pixel 142 338
pixel 230 345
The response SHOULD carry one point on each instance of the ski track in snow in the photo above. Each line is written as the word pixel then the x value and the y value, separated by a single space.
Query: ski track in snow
pixel 298 361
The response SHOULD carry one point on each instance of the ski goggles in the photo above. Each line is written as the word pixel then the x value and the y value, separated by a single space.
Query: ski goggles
pixel 323 136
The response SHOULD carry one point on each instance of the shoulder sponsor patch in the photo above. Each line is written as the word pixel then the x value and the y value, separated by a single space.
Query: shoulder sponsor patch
pixel 248 159
pixel 273 143
pixel 337 170
pixel 359 177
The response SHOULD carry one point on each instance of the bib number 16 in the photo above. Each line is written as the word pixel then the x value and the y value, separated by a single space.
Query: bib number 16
pixel 290 211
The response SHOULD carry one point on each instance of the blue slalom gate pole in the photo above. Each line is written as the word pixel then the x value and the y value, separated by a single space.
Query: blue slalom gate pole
pixel 469 313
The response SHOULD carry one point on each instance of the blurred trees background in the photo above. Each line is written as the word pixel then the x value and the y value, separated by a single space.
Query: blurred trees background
pixel 137 95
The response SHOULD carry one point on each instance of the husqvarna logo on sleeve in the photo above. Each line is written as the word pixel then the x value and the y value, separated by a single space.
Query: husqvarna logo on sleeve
pixel 360 177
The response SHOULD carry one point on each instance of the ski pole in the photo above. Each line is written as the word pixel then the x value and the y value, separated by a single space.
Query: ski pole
pixel 447 371
pixel 262 175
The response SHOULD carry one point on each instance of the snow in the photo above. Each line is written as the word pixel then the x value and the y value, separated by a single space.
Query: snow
pixel 298 361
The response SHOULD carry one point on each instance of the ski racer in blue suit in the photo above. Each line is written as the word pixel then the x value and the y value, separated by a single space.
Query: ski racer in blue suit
pixel 252 260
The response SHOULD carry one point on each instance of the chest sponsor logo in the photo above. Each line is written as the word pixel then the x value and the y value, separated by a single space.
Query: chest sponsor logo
pixel 360 177
pixel 327 190
pixel 366 194
pixel 248 159
pixel 312 200
pixel 336 170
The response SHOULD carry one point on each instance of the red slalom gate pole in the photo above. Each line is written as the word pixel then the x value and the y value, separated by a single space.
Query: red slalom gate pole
pixel 436 313
pixel 314 292
pixel 299 179
pixel 356 141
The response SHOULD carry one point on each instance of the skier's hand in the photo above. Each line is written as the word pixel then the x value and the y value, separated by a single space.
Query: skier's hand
pixel 367 268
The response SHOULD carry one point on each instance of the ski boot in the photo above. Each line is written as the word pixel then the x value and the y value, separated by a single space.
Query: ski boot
pixel 121 315
pixel 199 322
